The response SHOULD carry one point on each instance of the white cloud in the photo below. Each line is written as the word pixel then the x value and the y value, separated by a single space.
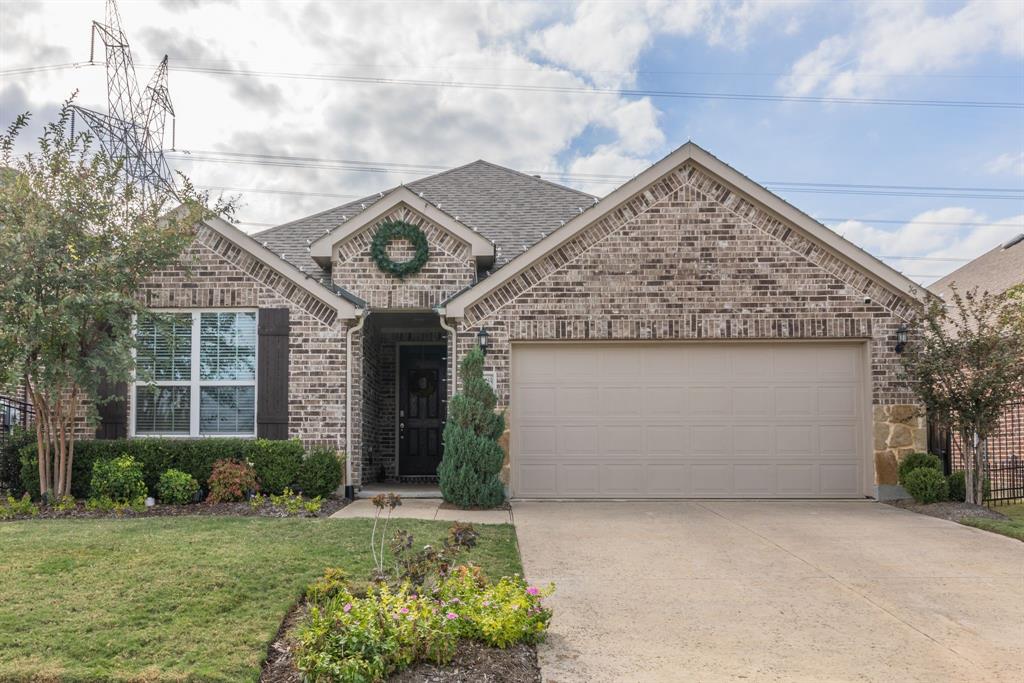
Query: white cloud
pixel 888 39
pixel 947 233
pixel 1007 163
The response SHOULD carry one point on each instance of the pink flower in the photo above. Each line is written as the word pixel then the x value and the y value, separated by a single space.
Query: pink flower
pixel 456 601
pixel 347 608
pixel 451 615
pixel 487 603
pixel 414 596
pixel 404 610
pixel 533 590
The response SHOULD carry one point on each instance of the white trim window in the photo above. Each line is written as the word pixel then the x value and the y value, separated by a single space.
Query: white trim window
pixel 196 374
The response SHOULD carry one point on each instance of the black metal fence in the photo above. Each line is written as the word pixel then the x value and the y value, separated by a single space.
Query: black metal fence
pixel 14 414
pixel 1004 457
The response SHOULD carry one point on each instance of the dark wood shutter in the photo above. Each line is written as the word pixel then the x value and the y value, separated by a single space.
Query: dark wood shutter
pixel 272 374
pixel 113 413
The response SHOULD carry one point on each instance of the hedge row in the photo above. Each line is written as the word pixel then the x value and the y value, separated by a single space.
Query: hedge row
pixel 278 464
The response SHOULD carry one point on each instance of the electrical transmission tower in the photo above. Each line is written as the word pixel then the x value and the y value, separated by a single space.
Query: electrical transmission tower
pixel 133 129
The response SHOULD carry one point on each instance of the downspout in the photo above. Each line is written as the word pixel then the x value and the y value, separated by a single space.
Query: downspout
pixel 454 360
pixel 350 489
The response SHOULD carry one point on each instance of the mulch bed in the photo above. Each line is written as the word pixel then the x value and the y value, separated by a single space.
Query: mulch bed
pixel 473 662
pixel 953 511
pixel 330 506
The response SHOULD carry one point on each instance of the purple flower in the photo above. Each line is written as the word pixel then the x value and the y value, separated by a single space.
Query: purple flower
pixel 456 601
pixel 533 590
pixel 347 608
pixel 451 615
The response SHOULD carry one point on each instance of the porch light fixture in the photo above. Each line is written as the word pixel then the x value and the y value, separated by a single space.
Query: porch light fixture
pixel 901 338
pixel 481 338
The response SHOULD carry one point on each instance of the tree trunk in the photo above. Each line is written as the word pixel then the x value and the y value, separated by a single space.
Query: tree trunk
pixel 981 453
pixel 40 444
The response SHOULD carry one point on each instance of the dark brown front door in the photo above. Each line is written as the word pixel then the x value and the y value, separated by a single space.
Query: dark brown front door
pixel 422 392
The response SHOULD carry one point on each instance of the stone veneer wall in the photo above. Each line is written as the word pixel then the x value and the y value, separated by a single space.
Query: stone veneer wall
pixel 215 273
pixel 689 258
pixel 899 430
pixel 451 266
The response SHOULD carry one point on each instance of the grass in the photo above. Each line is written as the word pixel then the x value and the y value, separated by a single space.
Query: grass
pixel 1013 527
pixel 176 598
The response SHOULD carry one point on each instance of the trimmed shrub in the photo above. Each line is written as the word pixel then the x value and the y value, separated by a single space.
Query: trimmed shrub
pixel 915 461
pixel 231 480
pixel 276 463
pixel 469 473
pixel 119 479
pixel 926 485
pixel 10 460
pixel 194 456
pixel 320 473
pixel 176 487
pixel 958 486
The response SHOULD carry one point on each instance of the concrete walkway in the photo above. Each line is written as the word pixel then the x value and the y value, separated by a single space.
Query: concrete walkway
pixel 772 591
pixel 426 508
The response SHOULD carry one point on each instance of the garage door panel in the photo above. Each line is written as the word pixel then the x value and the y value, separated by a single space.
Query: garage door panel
pixel 754 479
pixel 577 440
pixel 621 401
pixel 713 401
pixel 623 480
pixel 840 479
pixel 688 420
pixel 797 479
pixel 577 400
pixel 671 439
pixel 618 440
pixel 580 480
pixel 711 440
pixel 537 401
pixel 670 400
pixel 668 480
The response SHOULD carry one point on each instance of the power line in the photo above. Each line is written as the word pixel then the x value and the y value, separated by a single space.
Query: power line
pixel 789 186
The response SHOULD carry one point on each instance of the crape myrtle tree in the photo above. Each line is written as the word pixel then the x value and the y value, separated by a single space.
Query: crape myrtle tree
pixel 966 363
pixel 470 472
pixel 76 241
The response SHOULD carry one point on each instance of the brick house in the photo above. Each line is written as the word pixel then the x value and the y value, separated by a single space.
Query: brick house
pixel 688 335
pixel 995 272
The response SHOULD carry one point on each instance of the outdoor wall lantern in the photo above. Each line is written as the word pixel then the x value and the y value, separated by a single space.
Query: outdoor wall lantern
pixel 901 338
pixel 481 338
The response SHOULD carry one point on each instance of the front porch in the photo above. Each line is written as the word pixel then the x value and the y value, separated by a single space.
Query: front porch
pixel 404 398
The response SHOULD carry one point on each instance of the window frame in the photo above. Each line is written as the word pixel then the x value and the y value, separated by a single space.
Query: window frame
pixel 195 383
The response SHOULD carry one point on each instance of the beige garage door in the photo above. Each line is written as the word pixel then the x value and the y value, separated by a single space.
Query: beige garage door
pixel 701 420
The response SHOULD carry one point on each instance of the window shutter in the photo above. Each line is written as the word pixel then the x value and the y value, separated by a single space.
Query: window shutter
pixel 113 414
pixel 272 374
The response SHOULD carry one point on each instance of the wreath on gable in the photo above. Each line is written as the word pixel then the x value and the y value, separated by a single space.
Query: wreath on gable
pixel 399 230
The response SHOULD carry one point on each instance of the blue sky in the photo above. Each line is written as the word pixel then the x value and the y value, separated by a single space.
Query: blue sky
pixel 963 51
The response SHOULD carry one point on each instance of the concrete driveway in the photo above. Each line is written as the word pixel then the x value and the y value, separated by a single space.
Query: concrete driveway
pixel 787 591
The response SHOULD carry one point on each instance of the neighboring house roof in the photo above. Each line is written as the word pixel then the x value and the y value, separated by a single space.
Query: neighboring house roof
pixel 690 152
pixel 993 272
pixel 511 209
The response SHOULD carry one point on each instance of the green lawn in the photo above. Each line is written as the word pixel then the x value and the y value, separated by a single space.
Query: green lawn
pixel 175 598
pixel 1013 527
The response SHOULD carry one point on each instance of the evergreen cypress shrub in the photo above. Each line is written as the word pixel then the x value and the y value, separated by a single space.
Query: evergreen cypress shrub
pixel 320 473
pixel 469 473
pixel 926 485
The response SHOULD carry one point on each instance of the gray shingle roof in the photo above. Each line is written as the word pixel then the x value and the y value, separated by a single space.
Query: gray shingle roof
pixel 995 271
pixel 512 209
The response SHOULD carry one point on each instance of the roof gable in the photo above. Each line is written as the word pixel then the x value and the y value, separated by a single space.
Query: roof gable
pixel 482 248
pixel 511 209
pixel 618 200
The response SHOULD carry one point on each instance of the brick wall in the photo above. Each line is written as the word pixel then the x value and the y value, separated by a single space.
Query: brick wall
pixel 688 258
pixel 451 266
pixel 214 273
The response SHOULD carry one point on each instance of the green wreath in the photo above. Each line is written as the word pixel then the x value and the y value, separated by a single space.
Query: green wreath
pixel 399 230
